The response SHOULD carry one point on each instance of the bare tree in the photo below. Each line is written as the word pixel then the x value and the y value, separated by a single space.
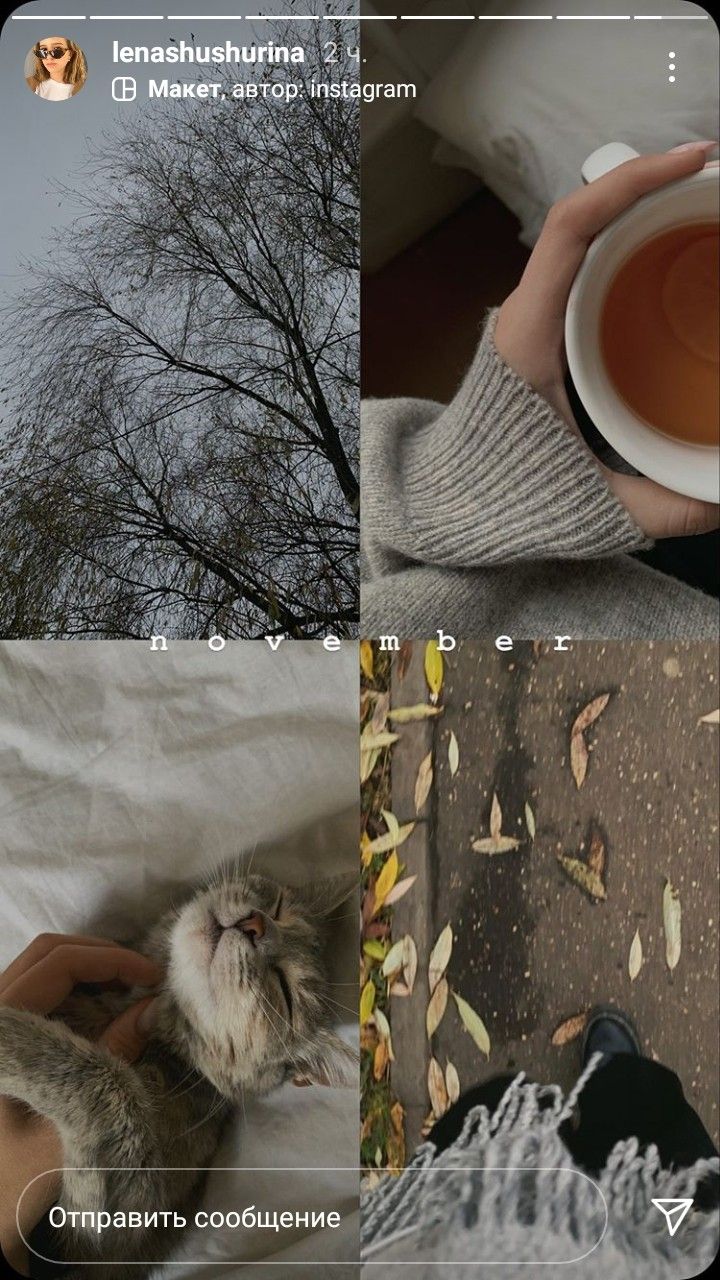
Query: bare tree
pixel 182 446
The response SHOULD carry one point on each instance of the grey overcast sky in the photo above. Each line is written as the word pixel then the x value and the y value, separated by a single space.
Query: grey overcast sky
pixel 42 141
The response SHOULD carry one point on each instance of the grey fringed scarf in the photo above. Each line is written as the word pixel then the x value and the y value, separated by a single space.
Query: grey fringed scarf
pixel 535 1210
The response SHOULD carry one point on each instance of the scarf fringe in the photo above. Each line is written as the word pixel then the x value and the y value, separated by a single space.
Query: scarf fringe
pixel 523 1133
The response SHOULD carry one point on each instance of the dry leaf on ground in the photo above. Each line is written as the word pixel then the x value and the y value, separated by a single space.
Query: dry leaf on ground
pixel 423 782
pixel 366 659
pixel 399 890
pixel 383 1027
pixel 378 740
pixel 570 1029
pixel 495 842
pixel 495 817
pixel 452 1083
pixel 635 959
pixel 402 662
pixel 590 713
pixel 436 1089
pixel 368 760
pixel 410 963
pixel 578 759
pixel 381 1059
pixel 492 844
pixel 390 821
pixel 394 960
pixel 578 748
pixel 453 755
pixel 440 957
pixel 383 844
pixel 375 949
pixel 386 879
pixel 405 715
pixel 579 872
pixel 380 711
pixel 473 1023
pixel 367 1001
pixel 672 921
pixel 712 717
pixel 596 856
pixel 530 821
pixel 436 1008
pixel 433 669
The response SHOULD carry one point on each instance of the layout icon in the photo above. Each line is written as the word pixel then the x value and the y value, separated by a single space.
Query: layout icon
pixel 674 1210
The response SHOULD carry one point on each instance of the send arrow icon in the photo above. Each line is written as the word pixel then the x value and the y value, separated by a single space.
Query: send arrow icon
pixel 674 1210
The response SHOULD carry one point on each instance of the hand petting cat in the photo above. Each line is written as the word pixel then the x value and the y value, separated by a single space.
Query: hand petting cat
pixel 235 1003
pixel 41 977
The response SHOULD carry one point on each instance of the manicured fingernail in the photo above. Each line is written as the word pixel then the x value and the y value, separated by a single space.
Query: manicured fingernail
pixel 694 146
pixel 147 1018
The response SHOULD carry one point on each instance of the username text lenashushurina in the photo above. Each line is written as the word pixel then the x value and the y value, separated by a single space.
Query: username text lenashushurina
pixel 272 56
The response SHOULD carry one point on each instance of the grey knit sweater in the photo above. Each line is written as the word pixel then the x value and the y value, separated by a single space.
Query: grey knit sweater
pixel 488 516
pixel 470 1204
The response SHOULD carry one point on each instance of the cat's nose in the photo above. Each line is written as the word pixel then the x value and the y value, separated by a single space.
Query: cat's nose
pixel 253 925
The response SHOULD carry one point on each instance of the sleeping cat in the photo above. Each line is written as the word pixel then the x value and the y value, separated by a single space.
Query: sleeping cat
pixel 245 1005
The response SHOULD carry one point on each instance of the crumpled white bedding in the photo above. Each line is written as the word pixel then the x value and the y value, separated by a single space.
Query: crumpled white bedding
pixel 124 772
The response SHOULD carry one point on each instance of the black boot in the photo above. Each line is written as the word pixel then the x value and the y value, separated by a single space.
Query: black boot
pixel 609 1031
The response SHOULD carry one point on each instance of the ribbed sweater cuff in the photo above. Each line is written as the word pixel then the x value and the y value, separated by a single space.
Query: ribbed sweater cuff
pixel 508 479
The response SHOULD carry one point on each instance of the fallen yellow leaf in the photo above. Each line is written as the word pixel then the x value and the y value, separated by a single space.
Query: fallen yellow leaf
pixel 423 782
pixel 366 659
pixel 440 957
pixel 386 879
pixel 433 668
pixel 367 1001
pixel 436 1089
pixel 436 1008
pixel 422 711
pixel 474 1024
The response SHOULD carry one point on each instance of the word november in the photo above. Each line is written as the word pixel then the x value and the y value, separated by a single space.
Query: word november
pixel 387 643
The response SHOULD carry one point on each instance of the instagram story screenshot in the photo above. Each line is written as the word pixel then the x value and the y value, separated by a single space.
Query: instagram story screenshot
pixel 359 640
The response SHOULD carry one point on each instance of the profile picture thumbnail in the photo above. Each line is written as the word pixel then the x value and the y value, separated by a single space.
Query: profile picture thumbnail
pixel 55 69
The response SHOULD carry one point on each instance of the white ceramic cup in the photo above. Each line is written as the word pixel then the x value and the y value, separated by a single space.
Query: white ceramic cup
pixel 686 468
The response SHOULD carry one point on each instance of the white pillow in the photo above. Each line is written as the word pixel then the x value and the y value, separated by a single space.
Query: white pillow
pixel 523 103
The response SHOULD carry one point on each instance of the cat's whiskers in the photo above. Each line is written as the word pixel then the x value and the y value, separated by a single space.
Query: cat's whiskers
pixel 181 1094
pixel 296 1034
pixel 263 1006
pixel 248 868
pixel 329 1000
pixel 211 1112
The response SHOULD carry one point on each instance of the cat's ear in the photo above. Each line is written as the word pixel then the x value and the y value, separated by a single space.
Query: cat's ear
pixel 328 1061
pixel 321 898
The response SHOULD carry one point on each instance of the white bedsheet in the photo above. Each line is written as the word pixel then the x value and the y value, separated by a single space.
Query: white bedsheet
pixel 125 772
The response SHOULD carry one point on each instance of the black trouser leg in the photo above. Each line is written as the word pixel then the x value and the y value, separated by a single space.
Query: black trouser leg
pixel 627 1097
pixel 631 1097
pixel 448 1129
